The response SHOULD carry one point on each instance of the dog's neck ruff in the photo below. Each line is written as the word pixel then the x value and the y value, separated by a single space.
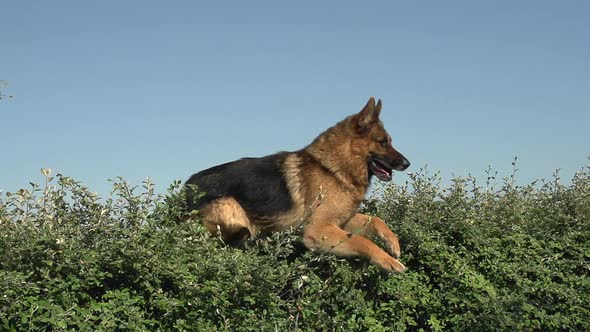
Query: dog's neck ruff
pixel 331 148
pixel 345 175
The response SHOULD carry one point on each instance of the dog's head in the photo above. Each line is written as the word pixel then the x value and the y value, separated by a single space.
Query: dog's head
pixel 373 143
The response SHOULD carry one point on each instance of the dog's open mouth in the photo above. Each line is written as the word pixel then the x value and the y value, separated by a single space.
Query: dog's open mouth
pixel 381 169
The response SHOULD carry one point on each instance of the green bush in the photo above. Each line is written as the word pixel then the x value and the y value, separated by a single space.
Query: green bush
pixel 491 257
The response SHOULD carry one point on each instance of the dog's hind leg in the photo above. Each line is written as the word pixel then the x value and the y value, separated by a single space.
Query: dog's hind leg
pixel 374 226
pixel 225 217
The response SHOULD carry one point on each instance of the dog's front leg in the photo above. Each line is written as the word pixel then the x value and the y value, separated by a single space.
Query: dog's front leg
pixel 374 226
pixel 331 238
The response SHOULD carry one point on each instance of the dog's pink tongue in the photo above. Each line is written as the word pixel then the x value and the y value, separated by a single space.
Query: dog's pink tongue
pixel 383 172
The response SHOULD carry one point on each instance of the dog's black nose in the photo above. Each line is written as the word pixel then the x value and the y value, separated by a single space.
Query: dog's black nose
pixel 401 163
pixel 405 163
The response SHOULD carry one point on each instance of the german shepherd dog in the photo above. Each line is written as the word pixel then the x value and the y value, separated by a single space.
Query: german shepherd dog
pixel 320 186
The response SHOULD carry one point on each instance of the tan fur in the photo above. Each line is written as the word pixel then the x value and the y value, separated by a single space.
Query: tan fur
pixel 293 217
pixel 226 218
pixel 369 226
pixel 334 168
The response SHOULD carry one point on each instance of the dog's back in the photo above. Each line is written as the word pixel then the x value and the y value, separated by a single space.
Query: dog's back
pixel 257 184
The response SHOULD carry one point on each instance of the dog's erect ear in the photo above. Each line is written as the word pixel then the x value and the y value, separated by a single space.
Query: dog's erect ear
pixel 368 115
pixel 378 108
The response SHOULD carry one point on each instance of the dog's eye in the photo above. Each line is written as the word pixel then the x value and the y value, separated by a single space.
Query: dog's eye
pixel 383 142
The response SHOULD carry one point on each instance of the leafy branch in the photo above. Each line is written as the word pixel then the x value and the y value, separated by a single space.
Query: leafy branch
pixel 3 86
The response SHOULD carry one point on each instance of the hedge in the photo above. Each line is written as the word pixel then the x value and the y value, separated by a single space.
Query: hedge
pixel 491 256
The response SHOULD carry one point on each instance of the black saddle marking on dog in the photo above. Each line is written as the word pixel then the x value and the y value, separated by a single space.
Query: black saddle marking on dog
pixel 258 184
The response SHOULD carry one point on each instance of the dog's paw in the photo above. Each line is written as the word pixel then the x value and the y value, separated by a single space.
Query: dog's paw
pixel 389 264
pixel 392 246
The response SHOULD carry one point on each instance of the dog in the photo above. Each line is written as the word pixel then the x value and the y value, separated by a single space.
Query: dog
pixel 319 187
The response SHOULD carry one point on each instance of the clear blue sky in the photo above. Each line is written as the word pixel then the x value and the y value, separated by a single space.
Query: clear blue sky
pixel 166 88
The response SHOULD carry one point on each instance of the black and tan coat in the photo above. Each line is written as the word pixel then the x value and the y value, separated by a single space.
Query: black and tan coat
pixel 320 186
